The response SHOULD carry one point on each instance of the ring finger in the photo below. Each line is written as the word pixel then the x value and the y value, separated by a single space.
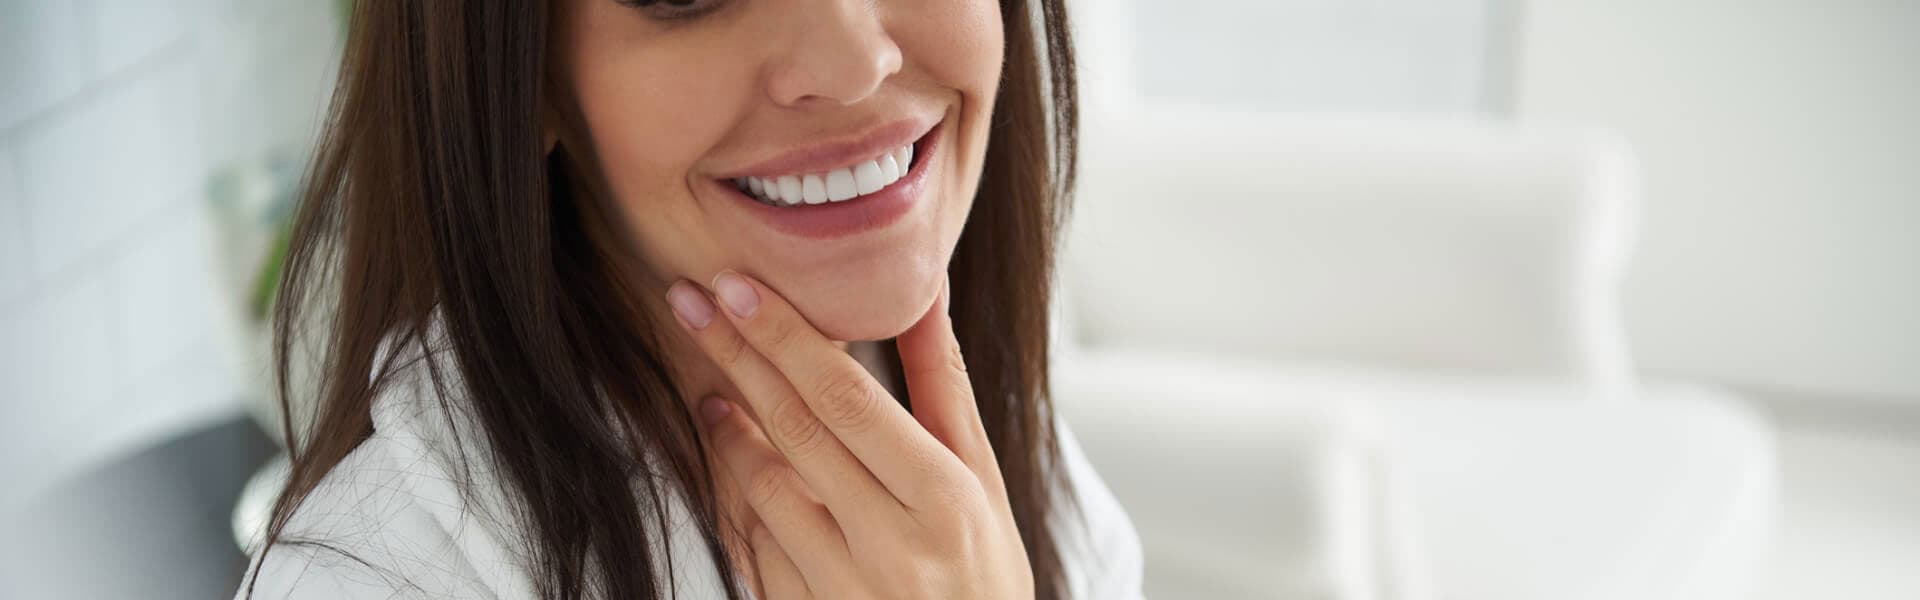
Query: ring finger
pixel 779 578
pixel 775 492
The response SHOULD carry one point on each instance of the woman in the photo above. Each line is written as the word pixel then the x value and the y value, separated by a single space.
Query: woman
pixel 688 298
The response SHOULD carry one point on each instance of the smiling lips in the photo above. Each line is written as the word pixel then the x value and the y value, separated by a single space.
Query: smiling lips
pixel 837 185
pixel 877 189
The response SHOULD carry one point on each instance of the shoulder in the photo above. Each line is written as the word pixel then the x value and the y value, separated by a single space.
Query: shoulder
pixel 376 528
pixel 362 533
pixel 1101 550
pixel 408 513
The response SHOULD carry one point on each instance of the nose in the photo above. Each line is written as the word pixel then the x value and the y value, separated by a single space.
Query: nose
pixel 839 52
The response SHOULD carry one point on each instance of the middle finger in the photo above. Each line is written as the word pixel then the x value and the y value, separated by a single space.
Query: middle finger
pixel 831 471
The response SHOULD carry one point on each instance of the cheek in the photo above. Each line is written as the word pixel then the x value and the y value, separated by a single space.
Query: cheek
pixel 651 115
pixel 967 30
pixel 959 45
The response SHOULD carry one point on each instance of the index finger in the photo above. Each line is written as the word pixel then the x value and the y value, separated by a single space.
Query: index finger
pixel 855 407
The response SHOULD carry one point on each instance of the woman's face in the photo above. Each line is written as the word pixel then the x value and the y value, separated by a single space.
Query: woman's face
pixel 809 104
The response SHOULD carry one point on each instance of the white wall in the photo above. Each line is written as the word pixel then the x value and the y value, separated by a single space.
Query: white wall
pixel 1781 146
pixel 113 113
pixel 1420 56
pixel 1780 243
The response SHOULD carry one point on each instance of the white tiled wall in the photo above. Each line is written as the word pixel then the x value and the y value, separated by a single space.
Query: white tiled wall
pixel 13 231
pixel 59 372
pixel 115 326
pixel 46 59
pixel 105 163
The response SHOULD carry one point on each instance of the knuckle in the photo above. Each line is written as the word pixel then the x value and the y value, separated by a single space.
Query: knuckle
pixel 949 362
pixel 777 333
pixel 965 492
pixel 966 495
pixel 955 361
pixel 766 485
pixel 958 502
pixel 733 351
pixel 849 402
pixel 795 426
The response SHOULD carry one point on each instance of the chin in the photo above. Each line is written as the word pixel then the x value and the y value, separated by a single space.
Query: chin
pixel 864 313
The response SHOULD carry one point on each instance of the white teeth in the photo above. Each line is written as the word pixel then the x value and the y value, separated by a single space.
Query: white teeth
pixel 770 191
pixel 840 185
pixel 867 179
pixel 814 189
pixel 790 190
pixel 836 185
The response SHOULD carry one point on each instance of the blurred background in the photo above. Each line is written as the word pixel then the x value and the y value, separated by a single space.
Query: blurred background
pixel 1549 299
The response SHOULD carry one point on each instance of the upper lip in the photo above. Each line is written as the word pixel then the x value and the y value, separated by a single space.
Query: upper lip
pixel 839 153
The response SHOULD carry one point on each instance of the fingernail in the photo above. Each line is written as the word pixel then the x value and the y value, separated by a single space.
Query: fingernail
pixel 713 409
pixel 690 304
pixel 736 293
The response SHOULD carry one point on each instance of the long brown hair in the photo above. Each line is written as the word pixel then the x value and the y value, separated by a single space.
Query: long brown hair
pixel 430 193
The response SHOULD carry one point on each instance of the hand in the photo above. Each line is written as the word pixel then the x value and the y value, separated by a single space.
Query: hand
pixel 854 497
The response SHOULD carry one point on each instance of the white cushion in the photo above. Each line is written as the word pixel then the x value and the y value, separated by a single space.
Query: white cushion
pixel 1428 243
pixel 1260 479
pixel 1240 485
pixel 1526 492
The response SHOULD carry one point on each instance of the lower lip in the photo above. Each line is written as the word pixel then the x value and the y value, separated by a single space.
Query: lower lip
pixel 832 220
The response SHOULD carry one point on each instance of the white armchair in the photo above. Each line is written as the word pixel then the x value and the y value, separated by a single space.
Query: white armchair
pixel 1366 359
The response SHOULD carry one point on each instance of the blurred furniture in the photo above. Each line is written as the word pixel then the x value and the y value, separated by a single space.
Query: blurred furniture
pixel 149 524
pixel 1365 358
